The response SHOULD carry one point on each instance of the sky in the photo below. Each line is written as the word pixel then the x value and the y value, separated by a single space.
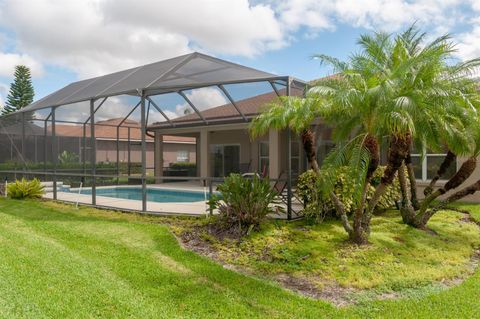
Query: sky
pixel 68 40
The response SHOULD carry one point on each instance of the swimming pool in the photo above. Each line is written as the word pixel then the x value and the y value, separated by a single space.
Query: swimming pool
pixel 153 194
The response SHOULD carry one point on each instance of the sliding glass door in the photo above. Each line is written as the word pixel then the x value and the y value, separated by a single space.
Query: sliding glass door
pixel 225 159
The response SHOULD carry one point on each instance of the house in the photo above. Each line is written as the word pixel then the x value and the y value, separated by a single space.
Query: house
pixel 225 146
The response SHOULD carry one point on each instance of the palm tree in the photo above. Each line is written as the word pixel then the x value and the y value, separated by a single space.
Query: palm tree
pixel 295 113
pixel 402 89
pixel 397 89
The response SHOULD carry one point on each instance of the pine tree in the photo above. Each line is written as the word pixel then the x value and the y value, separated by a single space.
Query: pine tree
pixel 21 90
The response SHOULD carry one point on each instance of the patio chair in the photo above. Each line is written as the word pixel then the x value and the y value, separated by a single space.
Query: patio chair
pixel 280 187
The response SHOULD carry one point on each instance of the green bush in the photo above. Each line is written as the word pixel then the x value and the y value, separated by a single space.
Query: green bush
pixel 318 206
pixel 67 157
pixel 243 203
pixel 66 165
pixel 23 188
pixel 181 169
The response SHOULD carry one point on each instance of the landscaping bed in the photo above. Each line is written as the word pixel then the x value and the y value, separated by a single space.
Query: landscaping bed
pixel 316 260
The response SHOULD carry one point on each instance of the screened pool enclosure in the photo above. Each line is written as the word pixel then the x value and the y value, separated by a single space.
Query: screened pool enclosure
pixel 93 141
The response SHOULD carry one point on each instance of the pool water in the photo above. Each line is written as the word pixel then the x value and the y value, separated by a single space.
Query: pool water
pixel 153 194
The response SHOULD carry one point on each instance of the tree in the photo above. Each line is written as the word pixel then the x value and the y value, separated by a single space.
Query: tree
pixel 399 90
pixel 21 91
pixel 412 95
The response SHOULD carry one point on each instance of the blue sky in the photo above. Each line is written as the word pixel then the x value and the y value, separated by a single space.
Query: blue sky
pixel 63 41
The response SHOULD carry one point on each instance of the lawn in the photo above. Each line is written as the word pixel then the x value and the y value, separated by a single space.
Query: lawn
pixel 59 262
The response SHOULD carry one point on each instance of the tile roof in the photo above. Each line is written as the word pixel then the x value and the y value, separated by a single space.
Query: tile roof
pixel 110 132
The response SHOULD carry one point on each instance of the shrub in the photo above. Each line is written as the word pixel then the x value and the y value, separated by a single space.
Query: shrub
pixel 23 188
pixel 243 203
pixel 318 206
pixel 181 169
pixel 67 157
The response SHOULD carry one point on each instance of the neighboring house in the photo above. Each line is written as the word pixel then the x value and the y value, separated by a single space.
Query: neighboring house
pixel 177 148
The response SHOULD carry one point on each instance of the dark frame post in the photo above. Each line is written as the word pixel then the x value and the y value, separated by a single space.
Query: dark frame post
pixel 54 154
pixel 289 164
pixel 23 143
pixel 84 149
pixel 144 151
pixel 128 152
pixel 93 150
pixel 118 152
pixel 45 144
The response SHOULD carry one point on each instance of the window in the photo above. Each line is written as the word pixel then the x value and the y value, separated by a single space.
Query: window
pixel 263 159
pixel 426 168
pixel 182 156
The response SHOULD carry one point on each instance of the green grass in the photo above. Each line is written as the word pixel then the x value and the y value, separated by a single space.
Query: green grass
pixel 399 256
pixel 58 262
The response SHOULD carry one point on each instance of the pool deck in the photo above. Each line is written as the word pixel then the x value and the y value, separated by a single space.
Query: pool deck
pixel 199 208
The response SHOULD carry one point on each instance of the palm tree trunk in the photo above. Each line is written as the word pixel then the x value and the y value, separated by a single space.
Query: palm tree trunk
pixel 361 225
pixel 467 168
pixel 472 189
pixel 447 162
pixel 413 182
pixel 407 210
pixel 361 228
pixel 308 142
pixel 340 208
pixel 397 152
pixel 309 145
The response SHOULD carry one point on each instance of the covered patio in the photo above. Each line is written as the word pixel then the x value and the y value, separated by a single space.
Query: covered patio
pixel 195 96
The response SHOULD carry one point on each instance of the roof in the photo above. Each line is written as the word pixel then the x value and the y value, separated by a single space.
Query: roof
pixel 250 107
pixel 108 131
pixel 179 73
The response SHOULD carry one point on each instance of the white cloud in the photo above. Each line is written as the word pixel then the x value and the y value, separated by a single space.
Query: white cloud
pixel 94 37
pixel 98 36
pixel 3 94
pixel 203 99
pixel 120 106
pixel 389 15
pixel 469 42
pixel 10 60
